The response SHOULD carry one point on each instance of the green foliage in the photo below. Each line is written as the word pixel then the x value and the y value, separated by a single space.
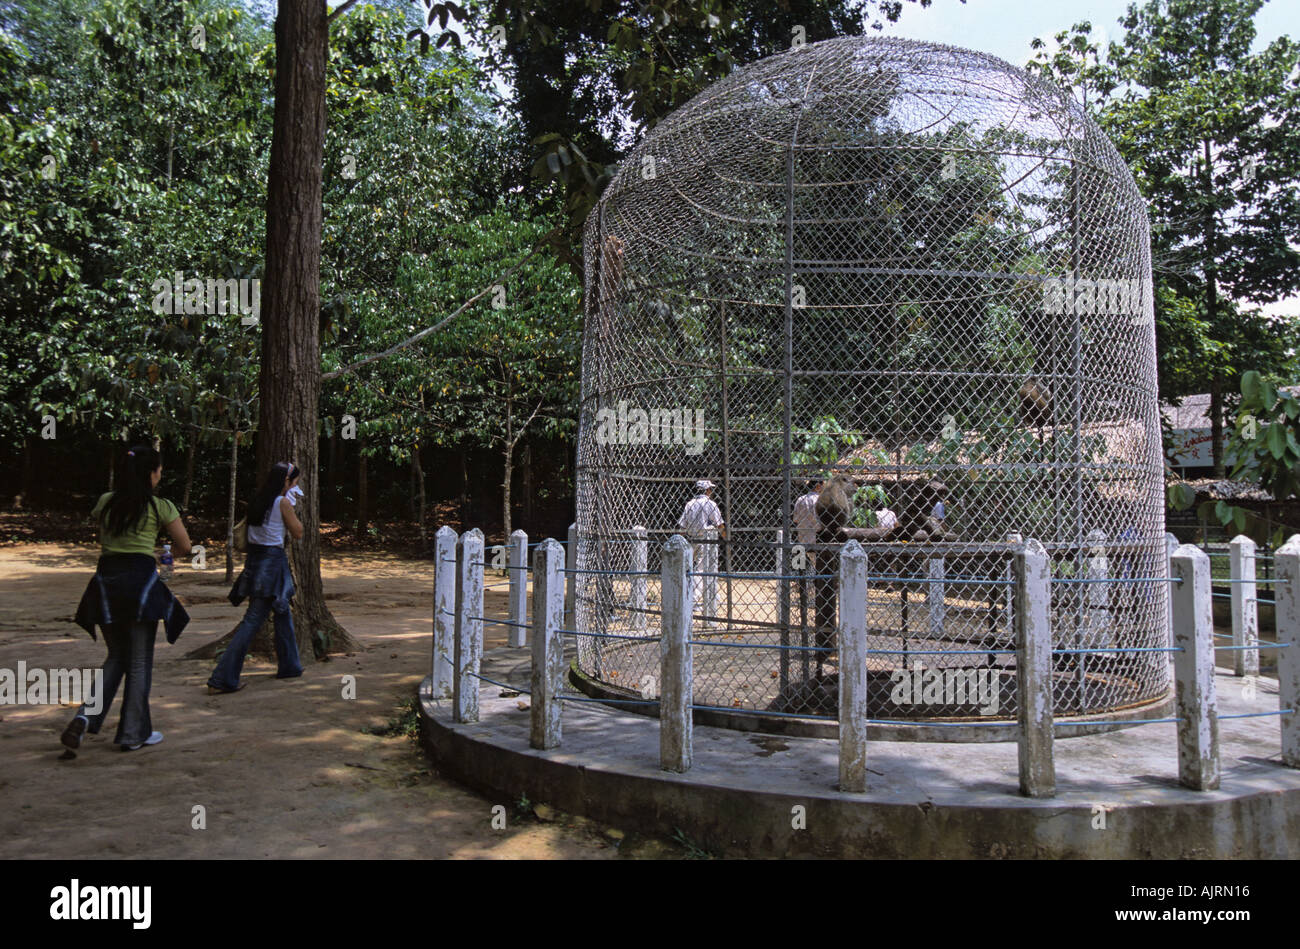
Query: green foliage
pixel 1266 444
pixel 1265 437
pixel 824 444
pixel 1211 131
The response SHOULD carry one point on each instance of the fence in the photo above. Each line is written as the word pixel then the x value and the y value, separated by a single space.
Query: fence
pixel 459 621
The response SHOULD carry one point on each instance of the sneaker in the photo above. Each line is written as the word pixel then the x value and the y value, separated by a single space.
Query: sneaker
pixel 72 734
pixel 151 740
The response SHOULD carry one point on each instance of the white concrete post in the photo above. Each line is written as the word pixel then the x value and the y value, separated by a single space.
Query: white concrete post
pixel 708 563
pixel 934 597
pixel 1245 607
pixel 1034 671
pixel 1171 544
pixel 1197 703
pixel 1009 597
pixel 517 635
pixel 640 560
pixel 675 660
pixel 780 563
pixel 571 579
pixel 1098 631
pixel 469 632
pixel 853 668
pixel 548 646
pixel 444 612
pixel 1286 576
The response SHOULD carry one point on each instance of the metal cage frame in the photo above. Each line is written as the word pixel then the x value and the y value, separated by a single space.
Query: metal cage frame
pixel 913 264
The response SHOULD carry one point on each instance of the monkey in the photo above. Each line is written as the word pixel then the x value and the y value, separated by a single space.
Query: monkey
pixel 834 513
pixel 916 520
pixel 1035 403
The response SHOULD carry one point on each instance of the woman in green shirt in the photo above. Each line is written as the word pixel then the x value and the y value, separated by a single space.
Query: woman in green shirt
pixel 126 598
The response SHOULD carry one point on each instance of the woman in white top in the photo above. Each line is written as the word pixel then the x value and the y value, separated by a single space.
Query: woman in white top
pixel 265 580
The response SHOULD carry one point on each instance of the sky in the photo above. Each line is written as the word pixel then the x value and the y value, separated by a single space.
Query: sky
pixel 1005 28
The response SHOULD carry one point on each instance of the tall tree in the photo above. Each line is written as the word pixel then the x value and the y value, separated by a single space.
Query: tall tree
pixel 1213 133
pixel 289 381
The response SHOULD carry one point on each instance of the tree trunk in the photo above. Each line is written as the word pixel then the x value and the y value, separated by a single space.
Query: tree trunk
pixel 112 468
pixel 510 457
pixel 230 507
pixel 25 489
pixel 510 468
pixel 189 470
pixel 289 380
pixel 412 503
pixel 333 470
pixel 464 492
pixel 363 490
pixel 1211 312
pixel 526 461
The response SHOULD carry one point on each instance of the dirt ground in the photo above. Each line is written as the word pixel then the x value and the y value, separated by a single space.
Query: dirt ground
pixel 281 769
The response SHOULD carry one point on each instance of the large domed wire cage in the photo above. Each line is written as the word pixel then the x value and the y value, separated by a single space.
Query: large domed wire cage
pixel 916 265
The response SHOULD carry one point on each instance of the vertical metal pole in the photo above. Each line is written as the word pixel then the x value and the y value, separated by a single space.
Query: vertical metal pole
pixel 727 506
pixel 787 421
pixel 782 564
pixel 1076 382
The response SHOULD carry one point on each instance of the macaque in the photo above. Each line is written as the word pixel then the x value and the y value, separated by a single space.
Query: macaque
pixel 1035 403
pixel 834 512
pixel 916 520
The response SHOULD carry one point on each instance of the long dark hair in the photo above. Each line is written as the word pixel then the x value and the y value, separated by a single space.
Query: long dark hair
pixel 259 506
pixel 134 492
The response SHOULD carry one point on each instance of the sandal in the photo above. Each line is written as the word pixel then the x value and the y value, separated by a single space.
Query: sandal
pixel 213 690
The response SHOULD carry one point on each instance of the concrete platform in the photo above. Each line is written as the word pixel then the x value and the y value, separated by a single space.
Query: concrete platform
pixel 750 794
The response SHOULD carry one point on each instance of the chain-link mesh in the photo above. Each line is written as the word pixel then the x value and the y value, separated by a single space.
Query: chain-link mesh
pixel 915 264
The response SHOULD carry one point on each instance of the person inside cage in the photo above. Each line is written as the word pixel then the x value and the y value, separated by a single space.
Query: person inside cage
pixel 805 520
pixel 700 519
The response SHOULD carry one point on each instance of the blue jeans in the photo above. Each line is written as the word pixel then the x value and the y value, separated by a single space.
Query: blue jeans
pixel 226 675
pixel 130 656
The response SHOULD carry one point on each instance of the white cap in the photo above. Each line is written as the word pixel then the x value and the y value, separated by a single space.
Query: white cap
pixel 702 486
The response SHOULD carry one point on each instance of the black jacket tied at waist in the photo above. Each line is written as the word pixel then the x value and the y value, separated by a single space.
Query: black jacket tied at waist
pixel 266 573
pixel 126 588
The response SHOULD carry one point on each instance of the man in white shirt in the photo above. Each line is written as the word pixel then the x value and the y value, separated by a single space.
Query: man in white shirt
pixel 701 512
pixel 806 523
pixel 805 513
pixel 700 516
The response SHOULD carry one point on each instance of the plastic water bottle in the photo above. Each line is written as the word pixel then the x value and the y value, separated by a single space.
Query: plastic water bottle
pixel 165 571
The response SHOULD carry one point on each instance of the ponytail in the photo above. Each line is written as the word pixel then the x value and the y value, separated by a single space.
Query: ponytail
pixel 134 492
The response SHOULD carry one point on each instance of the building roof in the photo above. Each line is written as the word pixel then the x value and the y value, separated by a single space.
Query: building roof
pixel 1194 410
pixel 1223 489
